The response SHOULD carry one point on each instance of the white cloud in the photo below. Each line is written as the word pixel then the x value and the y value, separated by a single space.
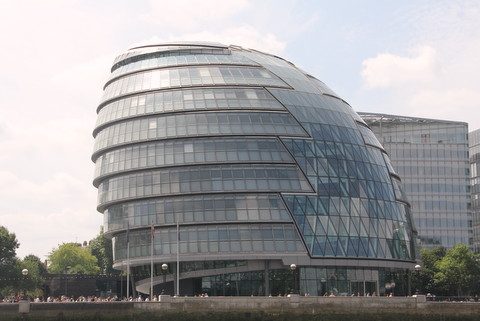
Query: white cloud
pixel 389 70
pixel 46 213
pixel 457 104
pixel 192 14
pixel 59 189
pixel 245 36
pixel 39 233
pixel 439 77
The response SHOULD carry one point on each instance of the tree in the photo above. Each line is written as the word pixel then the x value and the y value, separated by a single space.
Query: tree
pixel 37 271
pixel 9 265
pixel 72 258
pixel 423 280
pixel 458 271
pixel 101 248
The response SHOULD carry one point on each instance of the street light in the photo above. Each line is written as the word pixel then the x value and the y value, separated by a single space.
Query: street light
pixel 293 267
pixel 164 272
pixel 24 273
pixel 24 303
pixel 417 270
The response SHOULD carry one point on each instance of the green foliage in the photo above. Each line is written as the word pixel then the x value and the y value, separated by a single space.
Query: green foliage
pixel 72 258
pixel 455 272
pixel 101 248
pixel 37 271
pixel 458 271
pixel 423 280
pixel 8 246
pixel 9 265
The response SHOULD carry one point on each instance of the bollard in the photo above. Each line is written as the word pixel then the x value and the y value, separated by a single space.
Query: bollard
pixel 23 307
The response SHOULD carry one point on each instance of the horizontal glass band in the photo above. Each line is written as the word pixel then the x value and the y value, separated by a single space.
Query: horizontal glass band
pixel 197 124
pixel 190 76
pixel 191 151
pixel 230 238
pixel 203 179
pixel 179 58
pixel 186 100
pixel 139 53
pixel 201 209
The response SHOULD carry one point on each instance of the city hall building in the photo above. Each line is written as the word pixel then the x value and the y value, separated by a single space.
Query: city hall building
pixel 251 173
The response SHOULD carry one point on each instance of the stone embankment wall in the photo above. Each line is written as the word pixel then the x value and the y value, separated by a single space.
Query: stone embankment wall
pixel 252 308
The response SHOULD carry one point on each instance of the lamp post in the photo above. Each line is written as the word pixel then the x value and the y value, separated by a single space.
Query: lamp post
pixel 24 303
pixel 293 268
pixel 24 273
pixel 417 270
pixel 164 272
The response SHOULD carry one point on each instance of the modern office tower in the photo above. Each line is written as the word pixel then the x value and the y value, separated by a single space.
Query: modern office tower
pixel 257 175
pixel 431 157
pixel 474 144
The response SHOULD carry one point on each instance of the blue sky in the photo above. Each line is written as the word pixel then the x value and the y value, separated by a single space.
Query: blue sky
pixel 419 58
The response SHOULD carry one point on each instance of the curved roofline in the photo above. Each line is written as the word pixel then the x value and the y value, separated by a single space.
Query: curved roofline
pixel 184 43
pixel 404 119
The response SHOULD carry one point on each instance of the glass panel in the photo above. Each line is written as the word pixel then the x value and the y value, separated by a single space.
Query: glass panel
pixel 190 76
pixel 140 241
pixel 204 179
pixel 189 152
pixel 187 100
pixel 198 124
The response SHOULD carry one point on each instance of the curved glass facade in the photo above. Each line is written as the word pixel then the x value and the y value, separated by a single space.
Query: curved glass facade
pixel 197 124
pixel 431 157
pixel 190 76
pixel 237 156
pixel 191 151
pixel 187 100
pixel 170 59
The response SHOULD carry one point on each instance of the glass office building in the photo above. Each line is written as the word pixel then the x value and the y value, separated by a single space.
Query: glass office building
pixel 431 156
pixel 474 144
pixel 255 173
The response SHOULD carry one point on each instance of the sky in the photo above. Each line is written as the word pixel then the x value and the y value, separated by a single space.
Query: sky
pixel 416 58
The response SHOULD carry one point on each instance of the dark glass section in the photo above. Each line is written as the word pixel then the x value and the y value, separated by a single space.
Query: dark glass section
pixel 312 281
pixel 319 109
pixel 369 137
pixel 342 169
pixel 355 213
pixel 399 193
pixel 352 227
